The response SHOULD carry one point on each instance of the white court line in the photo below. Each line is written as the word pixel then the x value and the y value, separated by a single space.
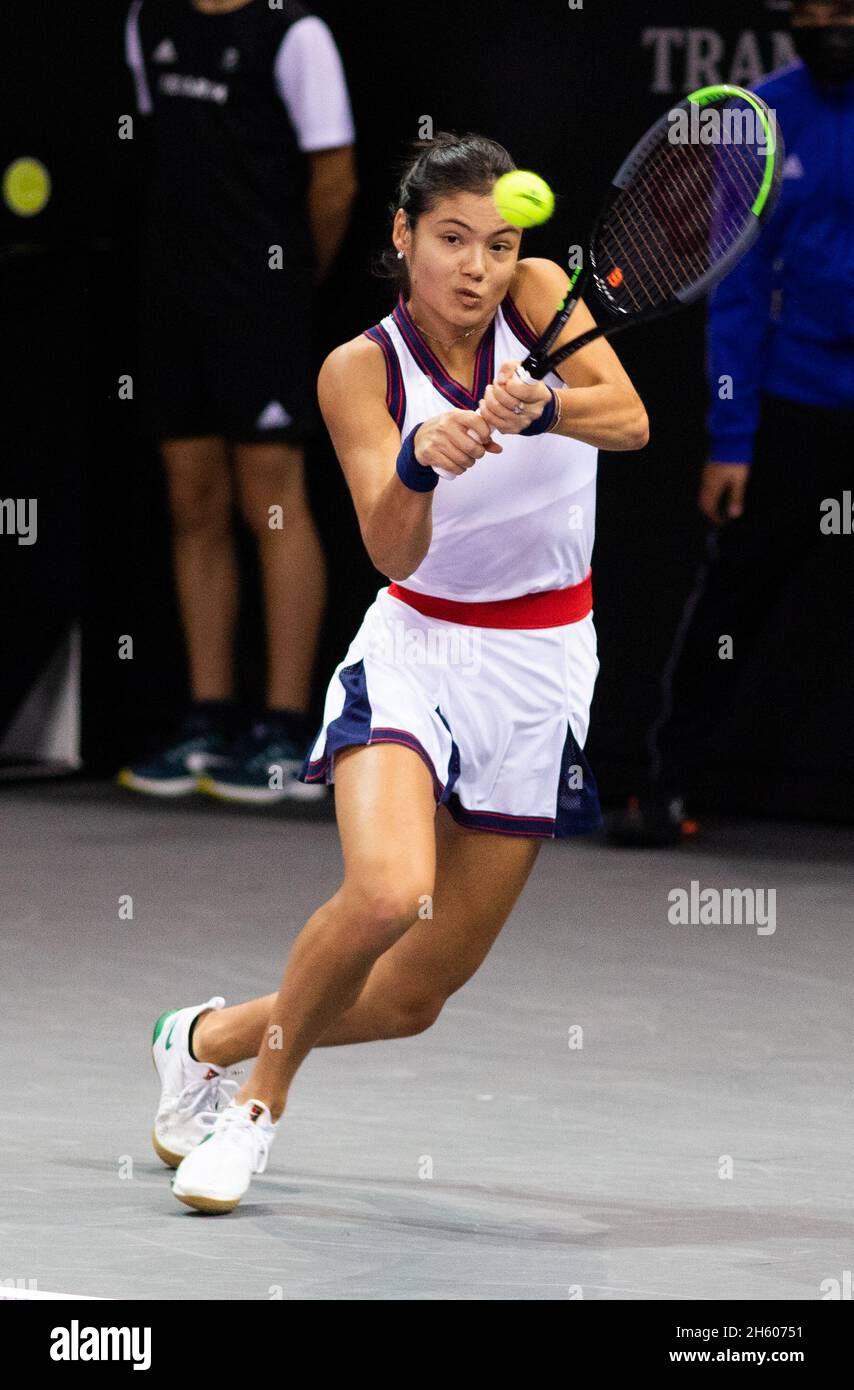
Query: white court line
pixel 39 1293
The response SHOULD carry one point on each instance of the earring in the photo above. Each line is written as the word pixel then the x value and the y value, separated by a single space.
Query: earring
pixel 400 255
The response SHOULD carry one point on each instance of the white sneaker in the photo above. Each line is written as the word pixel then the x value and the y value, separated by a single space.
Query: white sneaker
pixel 191 1091
pixel 217 1174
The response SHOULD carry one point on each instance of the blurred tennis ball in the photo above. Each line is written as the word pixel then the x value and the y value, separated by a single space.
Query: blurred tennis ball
pixel 26 187
pixel 523 198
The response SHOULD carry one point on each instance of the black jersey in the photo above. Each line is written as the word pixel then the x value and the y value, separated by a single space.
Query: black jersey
pixel 232 102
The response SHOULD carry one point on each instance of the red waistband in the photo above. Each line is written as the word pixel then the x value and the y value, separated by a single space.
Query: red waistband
pixel 552 608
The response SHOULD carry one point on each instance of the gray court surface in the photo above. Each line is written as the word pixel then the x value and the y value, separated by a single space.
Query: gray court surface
pixel 692 1141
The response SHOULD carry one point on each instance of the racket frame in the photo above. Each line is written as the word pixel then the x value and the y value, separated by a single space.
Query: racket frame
pixel 540 361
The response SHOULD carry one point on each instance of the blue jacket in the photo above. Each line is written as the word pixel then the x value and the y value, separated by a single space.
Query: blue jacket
pixel 783 320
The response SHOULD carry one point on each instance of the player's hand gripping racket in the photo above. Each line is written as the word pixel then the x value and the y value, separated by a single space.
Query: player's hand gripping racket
pixel 682 210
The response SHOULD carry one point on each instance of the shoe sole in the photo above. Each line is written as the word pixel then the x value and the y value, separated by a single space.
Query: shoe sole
pixel 259 796
pixel 171 1160
pixel 151 787
pixel 212 1205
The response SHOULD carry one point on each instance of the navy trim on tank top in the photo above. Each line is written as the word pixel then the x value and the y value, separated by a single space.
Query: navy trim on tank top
pixel 426 359
pixel 517 325
pixel 395 394
pixel 429 364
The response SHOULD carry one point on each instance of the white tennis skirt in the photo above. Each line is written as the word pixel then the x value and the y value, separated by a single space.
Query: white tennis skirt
pixel 499 715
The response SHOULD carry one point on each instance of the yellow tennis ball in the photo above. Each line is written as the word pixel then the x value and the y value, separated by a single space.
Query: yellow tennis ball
pixel 523 198
pixel 26 186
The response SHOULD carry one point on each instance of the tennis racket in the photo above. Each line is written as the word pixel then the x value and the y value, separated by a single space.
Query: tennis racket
pixel 683 208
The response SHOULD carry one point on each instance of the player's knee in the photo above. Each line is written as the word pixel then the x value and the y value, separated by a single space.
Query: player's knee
pixel 383 908
pixel 416 1015
pixel 390 907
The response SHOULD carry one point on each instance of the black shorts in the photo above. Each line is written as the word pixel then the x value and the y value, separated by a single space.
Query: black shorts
pixel 244 373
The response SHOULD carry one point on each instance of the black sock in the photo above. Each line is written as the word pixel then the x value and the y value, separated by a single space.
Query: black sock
pixel 190 1038
pixel 293 724
pixel 218 714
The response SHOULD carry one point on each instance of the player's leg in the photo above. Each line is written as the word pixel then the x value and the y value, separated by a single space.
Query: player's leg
pixel 272 496
pixel 479 877
pixel 386 818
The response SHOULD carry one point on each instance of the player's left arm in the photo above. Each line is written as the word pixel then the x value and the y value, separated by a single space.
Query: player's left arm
pixel 602 407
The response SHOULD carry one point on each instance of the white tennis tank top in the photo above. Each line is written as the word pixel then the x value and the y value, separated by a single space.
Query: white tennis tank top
pixel 516 523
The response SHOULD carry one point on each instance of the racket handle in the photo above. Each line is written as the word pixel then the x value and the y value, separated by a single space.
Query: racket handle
pixel 451 477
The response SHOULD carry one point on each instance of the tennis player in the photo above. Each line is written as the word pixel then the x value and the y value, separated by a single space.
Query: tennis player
pixel 454 725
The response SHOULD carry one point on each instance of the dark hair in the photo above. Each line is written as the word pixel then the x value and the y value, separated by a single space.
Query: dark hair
pixel 434 169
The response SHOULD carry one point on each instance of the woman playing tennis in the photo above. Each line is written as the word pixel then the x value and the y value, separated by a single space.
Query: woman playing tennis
pixel 454 726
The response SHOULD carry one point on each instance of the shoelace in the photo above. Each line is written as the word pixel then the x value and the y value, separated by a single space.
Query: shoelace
pixel 233 1123
pixel 205 1099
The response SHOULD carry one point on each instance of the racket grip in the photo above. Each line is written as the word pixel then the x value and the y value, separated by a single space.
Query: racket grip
pixel 452 477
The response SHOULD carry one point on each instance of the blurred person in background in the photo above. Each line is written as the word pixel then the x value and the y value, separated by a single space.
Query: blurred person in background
pixel 781 331
pixel 249 182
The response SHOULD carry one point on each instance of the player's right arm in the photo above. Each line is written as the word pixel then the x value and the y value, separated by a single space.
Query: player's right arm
pixel 395 521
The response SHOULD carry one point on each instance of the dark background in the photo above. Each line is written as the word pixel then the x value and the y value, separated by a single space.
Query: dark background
pixel 568 91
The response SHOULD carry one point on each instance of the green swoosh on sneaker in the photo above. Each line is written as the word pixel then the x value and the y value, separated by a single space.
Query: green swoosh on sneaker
pixel 161 1023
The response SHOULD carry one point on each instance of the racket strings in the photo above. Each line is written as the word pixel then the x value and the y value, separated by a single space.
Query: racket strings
pixel 644 264
pixel 641 249
pixel 681 212
pixel 616 251
pixel 720 174
pixel 695 225
pixel 701 181
pixel 677 234
pixel 652 240
pixel 684 202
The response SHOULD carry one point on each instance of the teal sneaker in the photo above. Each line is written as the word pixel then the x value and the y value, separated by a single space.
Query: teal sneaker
pixel 177 770
pixel 262 770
